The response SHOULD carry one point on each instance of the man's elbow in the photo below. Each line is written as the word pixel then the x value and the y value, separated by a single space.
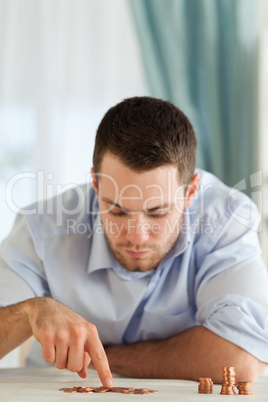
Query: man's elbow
pixel 248 368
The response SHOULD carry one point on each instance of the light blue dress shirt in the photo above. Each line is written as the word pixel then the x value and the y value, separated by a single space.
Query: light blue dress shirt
pixel 214 275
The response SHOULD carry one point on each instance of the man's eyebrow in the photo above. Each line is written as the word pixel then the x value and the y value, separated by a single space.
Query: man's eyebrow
pixel 161 206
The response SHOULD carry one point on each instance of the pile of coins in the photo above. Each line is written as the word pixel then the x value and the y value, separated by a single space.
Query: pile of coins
pixel 244 388
pixel 121 390
pixel 228 383
pixel 205 386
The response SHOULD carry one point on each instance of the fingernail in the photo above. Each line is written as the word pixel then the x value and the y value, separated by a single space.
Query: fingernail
pixel 108 383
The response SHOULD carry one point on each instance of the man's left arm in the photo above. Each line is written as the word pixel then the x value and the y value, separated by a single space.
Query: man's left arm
pixel 196 352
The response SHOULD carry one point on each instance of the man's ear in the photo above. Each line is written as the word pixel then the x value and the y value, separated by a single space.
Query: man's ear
pixel 192 189
pixel 94 180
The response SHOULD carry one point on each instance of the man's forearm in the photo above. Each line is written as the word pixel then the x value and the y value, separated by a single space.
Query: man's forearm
pixel 15 327
pixel 189 355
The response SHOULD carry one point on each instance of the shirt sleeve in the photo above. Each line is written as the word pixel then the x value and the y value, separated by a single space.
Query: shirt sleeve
pixel 232 284
pixel 21 270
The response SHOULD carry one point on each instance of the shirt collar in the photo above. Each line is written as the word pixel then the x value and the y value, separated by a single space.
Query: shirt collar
pixel 182 242
pixel 184 237
pixel 100 256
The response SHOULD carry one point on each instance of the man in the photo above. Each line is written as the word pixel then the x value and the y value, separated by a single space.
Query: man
pixel 153 271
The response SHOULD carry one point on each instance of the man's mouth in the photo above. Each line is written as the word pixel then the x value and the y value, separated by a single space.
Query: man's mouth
pixel 137 254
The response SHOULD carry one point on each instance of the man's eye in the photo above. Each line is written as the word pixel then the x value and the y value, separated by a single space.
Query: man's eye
pixel 118 212
pixel 159 213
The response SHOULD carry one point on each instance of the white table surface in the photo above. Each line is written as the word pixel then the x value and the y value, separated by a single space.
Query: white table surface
pixel 43 384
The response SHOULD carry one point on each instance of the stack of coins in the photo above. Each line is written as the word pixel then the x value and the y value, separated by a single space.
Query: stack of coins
pixel 228 382
pixel 244 388
pixel 205 386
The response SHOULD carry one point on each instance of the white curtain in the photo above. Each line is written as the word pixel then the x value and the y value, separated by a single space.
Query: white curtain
pixel 63 63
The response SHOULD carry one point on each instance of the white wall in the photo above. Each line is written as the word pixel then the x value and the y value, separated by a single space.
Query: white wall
pixel 63 64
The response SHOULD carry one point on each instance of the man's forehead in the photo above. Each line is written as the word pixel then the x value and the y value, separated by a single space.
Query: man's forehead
pixel 138 184
pixel 140 194
pixel 112 168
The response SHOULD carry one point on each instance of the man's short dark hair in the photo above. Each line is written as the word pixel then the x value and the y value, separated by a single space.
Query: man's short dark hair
pixel 146 133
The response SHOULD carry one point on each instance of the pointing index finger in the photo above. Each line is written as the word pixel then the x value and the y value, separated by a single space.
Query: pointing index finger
pixel 98 356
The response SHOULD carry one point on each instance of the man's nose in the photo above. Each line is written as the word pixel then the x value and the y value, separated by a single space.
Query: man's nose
pixel 138 230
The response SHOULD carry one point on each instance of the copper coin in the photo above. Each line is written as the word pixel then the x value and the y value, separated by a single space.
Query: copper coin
pixel 122 390
pixel 78 389
pixel 205 388
pixel 244 384
pixel 244 388
pixel 100 390
pixel 88 389
pixel 141 389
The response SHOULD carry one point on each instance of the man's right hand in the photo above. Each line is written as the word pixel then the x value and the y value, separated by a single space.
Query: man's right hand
pixel 67 339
